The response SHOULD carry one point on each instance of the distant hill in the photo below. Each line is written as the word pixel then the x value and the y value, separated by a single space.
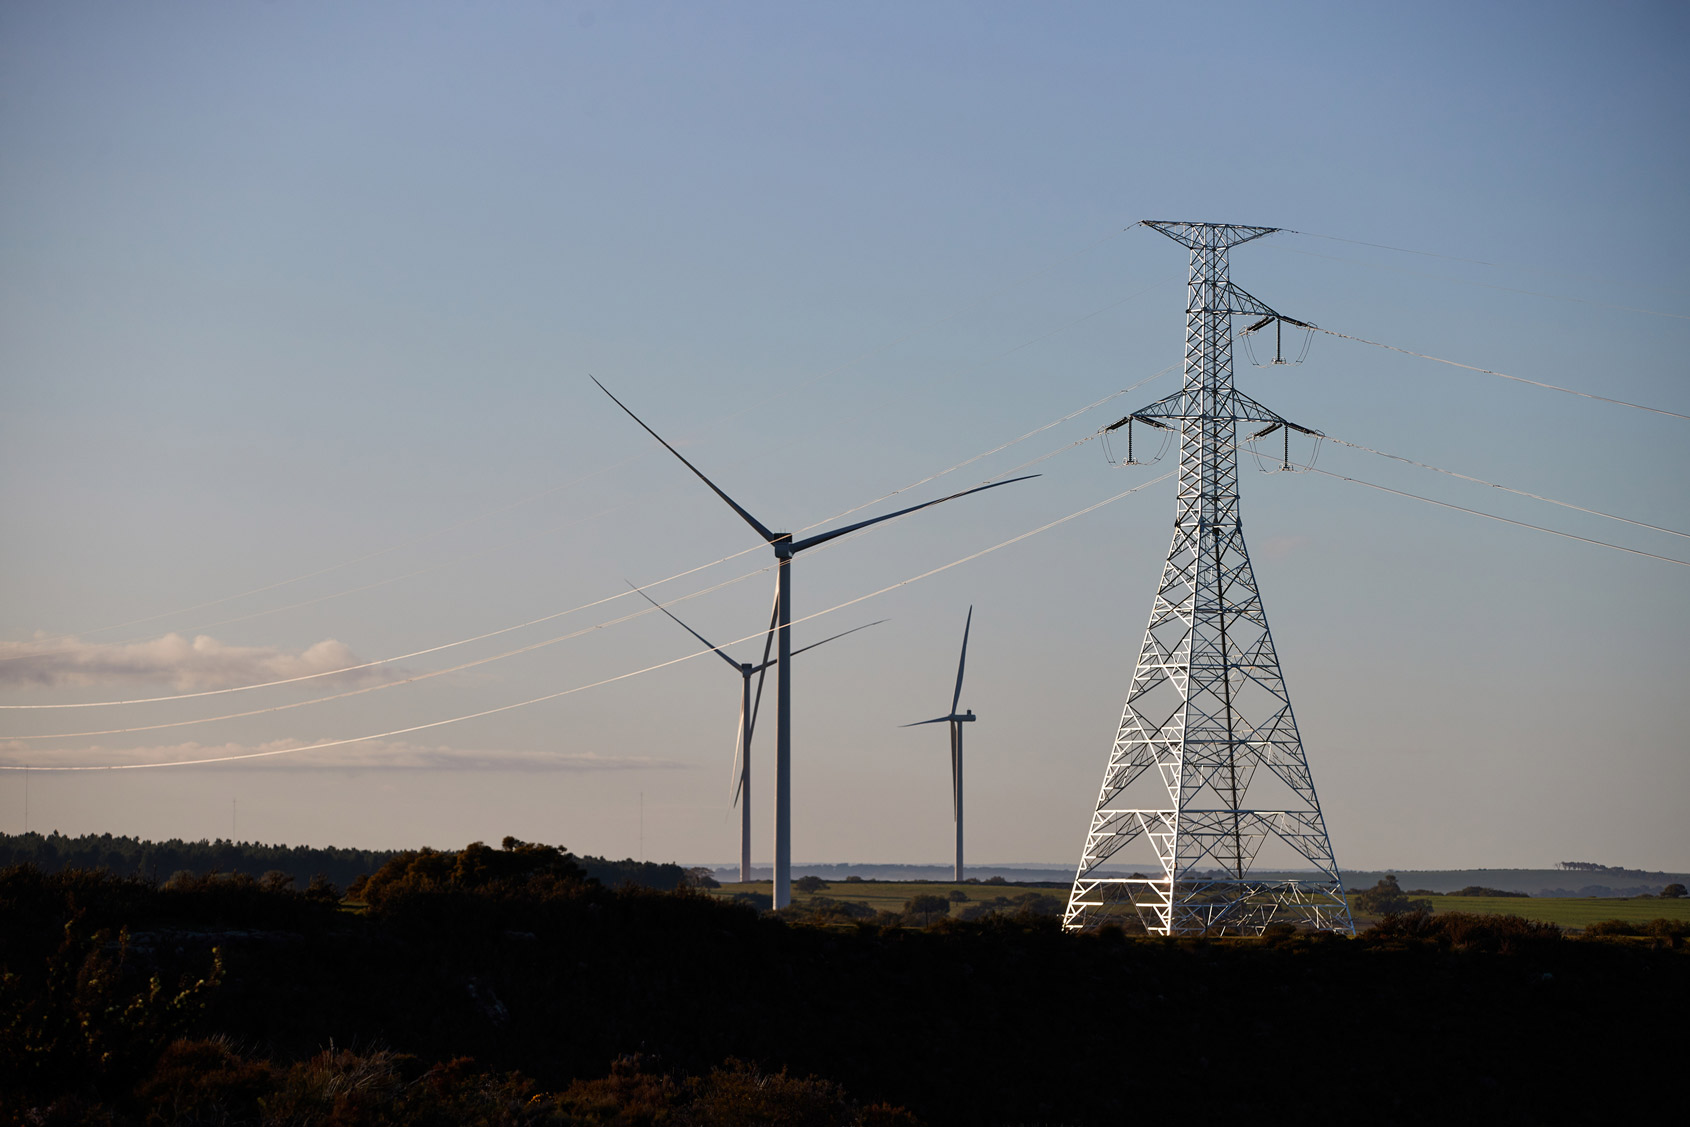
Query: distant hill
pixel 1532 882
pixel 160 860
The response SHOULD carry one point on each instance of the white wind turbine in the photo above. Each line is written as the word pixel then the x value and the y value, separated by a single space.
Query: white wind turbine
pixel 785 548
pixel 747 717
pixel 956 721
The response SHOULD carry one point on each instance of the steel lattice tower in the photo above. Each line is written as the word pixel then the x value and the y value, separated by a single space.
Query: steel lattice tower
pixel 1207 729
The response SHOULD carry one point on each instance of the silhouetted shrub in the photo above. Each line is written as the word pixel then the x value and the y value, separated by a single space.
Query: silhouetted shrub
pixel 1467 931
pixel 92 1015
pixel 516 868
pixel 1671 932
pixel 1609 928
pixel 1665 932
pixel 1385 898
pixel 924 909
pixel 825 909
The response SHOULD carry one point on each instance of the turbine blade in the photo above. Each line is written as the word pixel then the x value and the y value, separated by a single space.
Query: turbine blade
pixel 822 538
pixel 956 748
pixel 717 649
pixel 762 669
pixel 919 723
pixel 841 634
pixel 957 696
pixel 734 505
pixel 739 775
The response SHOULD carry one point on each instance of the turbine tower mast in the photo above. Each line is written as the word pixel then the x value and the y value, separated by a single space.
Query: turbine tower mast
pixel 1208 707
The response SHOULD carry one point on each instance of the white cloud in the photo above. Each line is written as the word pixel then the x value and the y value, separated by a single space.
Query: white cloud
pixel 186 666
pixel 366 755
pixel 1281 547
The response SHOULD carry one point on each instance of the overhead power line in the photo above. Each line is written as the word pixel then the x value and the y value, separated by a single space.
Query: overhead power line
pixel 1504 375
pixel 398 682
pixel 368 664
pixel 605 681
pixel 1505 488
pixel 1504 520
pixel 376 663
pixel 559 638
pixel 1092 406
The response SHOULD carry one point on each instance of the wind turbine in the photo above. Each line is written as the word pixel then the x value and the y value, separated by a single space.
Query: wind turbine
pixel 747 716
pixel 785 548
pixel 956 720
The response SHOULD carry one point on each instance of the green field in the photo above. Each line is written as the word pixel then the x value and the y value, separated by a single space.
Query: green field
pixel 1569 912
pixel 1576 911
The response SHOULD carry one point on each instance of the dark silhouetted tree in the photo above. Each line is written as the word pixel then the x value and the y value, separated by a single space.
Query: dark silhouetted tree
pixel 1385 897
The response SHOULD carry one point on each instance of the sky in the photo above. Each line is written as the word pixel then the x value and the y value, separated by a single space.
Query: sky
pixel 299 304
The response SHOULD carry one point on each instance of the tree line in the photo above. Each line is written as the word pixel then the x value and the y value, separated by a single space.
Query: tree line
pixel 160 861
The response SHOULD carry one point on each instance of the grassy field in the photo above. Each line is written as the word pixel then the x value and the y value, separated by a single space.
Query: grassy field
pixel 1570 912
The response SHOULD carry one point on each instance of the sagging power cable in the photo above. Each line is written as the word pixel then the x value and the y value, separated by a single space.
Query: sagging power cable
pixel 596 684
pixel 1505 488
pixel 1505 375
pixel 584 606
pixel 1504 520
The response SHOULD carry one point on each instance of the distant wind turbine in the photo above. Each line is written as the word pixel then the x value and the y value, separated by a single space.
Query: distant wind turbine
pixel 785 548
pixel 956 721
pixel 747 717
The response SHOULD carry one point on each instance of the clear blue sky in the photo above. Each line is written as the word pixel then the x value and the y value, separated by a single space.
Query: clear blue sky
pixel 311 292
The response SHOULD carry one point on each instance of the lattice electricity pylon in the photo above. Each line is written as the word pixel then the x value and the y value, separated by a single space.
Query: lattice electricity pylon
pixel 1208 708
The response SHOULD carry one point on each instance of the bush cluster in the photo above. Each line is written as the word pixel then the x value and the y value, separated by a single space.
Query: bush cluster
pixel 210 1081
pixel 1468 931
pixel 1386 898
pixel 1672 933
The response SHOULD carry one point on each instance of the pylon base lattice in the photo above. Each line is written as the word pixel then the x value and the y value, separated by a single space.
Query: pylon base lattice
pixel 1208 709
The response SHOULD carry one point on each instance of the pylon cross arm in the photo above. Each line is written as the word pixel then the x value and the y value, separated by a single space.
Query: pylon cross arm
pixel 1228 298
pixel 1207 235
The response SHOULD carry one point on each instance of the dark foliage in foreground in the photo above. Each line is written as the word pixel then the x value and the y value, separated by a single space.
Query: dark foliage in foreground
pixel 496 986
pixel 212 1081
